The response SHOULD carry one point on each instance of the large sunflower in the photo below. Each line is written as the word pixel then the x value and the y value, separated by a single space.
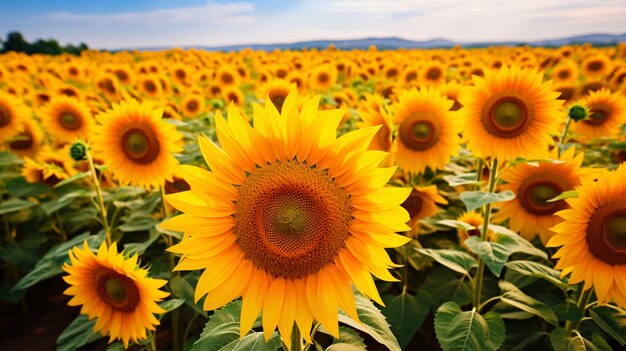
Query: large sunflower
pixel 137 144
pixel 113 289
pixel 12 115
pixel 510 113
pixel 67 119
pixel 607 114
pixel 288 217
pixel 530 214
pixel 427 131
pixel 593 237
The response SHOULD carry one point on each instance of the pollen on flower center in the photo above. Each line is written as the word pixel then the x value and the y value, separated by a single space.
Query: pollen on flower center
pixel 140 144
pixel 418 132
pixel 606 233
pixel 118 291
pixel 69 121
pixel 597 116
pixel 291 219
pixel 507 117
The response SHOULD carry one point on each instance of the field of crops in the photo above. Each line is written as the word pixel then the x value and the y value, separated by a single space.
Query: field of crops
pixel 461 199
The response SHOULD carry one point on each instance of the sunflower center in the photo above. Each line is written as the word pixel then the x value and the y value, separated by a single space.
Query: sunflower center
pixel 70 121
pixel 5 117
pixel 411 76
pixel 118 291
pixel 534 196
pixel 323 78
pixel 150 86
pixel 176 186
pixel 192 105
pixel 595 66
pixel 418 132
pixel 597 116
pixel 606 233
pixel 23 141
pixel 564 74
pixel 227 78
pixel 506 118
pixel 140 144
pixel 413 204
pixel 291 219
pixel 433 74
pixel 278 99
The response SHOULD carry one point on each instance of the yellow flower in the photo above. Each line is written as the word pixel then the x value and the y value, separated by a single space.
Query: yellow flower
pixel 67 119
pixel 12 115
pixel 592 237
pixel 510 113
pixel 607 114
pixel 288 217
pixel 114 290
pixel 137 144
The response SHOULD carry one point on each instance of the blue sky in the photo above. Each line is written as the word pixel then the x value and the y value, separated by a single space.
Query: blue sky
pixel 146 23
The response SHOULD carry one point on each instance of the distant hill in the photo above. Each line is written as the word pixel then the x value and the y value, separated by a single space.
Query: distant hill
pixel 397 43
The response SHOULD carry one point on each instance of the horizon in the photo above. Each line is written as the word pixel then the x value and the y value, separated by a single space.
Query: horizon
pixel 199 23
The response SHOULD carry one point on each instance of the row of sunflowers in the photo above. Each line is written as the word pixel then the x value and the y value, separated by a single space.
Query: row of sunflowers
pixel 461 199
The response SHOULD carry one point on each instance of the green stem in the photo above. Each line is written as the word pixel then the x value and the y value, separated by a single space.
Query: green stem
pixel 583 300
pixel 564 134
pixel 478 282
pixel 103 209
pixel 296 339
pixel 152 343
pixel 169 242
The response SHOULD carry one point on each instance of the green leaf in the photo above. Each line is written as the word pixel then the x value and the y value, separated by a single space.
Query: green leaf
pixel 568 312
pixel 565 195
pixel 56 204
pixel 221 333
pixel 183 289
pixel 467 330
pixel 79 333
pixel 457 261
pixel 456 224
pixel 405 314
pixel 495 253
pixel 462 179
pixel 476 199
pixel 138 222
pixel 50 264
pixel 600 343
pixel 536 270
pixel 349 340
pixel 14 205
pixel 171 305
pixel 605 318
pixel 8 159
pixel 559 339
pixel 372 323
pixel 517 298
pixel 142 246
pixel 76 177
pixel 443 285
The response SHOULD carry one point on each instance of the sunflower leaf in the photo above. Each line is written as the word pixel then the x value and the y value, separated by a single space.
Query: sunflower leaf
pixel 610 322
pixel 50 264
pixel 459 330
pixel 221 333
pixel 462 179
pixel 535 270
pixel 8 158
pixel 518 299
pixel 477 199
pixel 14 205
pixel 78 333
pixel 457 261
pixel 565 195
pixel 372 322
pixel 405 314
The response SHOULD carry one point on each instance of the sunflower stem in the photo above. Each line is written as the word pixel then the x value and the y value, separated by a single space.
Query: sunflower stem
pixel 478 281
pixel 564 134
pixel 97 185
pixel 164 209
pixel 296 339
pixel 583 300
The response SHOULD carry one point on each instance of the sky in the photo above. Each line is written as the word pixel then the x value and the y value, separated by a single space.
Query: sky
pixel 116 24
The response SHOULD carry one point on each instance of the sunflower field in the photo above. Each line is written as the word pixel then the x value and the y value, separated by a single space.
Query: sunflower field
pixel 321 200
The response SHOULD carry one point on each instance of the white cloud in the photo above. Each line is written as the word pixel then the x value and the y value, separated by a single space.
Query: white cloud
pixel 232 12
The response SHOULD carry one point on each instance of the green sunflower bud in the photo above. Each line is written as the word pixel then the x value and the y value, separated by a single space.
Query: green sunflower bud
pixel 78 151
pixel 578 112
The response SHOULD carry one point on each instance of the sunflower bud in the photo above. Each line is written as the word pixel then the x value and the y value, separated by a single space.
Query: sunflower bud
pixel 578 112
pixel 78 151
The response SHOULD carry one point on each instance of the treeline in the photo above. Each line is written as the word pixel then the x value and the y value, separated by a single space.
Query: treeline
pixel 16 42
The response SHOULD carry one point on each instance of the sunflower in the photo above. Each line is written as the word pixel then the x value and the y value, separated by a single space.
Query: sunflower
pixel 593 237
pixel 227 76
pixel 287 214
pixel 233 95
pixel 150 85
pixel 193 105
pixel 323 77
pixel 373 113
pixel 565 73
pixel 137 144
pixel 12 115
pixel 607 114
pixel 567 92
pixel 113 289
pixel 108 85
pixel 48 167
pixel 124 74
pixel 427 131
pixel 596 66
pixel 27 142
pixel 433 73
pixel 277 90
pixel 474 220
pixel 510 113
pixel 67 119
pixel 530 213
pixel 297 78
pixel 410 75
pixel 422 203
pixel 180 74
pixel 452 91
